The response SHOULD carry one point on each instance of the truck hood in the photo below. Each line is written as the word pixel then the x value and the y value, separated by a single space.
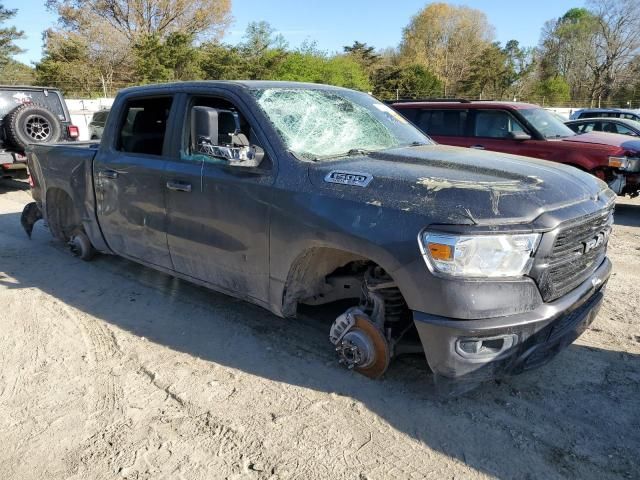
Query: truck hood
pixel 609 139
pixel 452 185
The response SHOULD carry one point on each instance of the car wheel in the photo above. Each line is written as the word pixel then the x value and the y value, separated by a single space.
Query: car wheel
pixel 32 123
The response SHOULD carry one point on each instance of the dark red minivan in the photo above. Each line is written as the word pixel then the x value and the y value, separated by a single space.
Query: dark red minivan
pixel 529 130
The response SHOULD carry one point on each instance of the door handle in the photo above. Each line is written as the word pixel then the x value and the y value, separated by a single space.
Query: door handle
pixel 178 186
pixel 477 147
pixel 112 174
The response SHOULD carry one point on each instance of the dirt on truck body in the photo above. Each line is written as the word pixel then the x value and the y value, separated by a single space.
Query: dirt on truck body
pixel 289 195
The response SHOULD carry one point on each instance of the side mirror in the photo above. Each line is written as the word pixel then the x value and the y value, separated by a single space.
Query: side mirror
pixel 216 133
pixel 204 127
pixel 519 136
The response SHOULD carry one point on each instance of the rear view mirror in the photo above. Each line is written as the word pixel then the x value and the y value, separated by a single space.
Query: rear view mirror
pixel 216 133
pixel 519 136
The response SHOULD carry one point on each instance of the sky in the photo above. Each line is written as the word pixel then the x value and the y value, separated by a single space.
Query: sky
pixel 332 23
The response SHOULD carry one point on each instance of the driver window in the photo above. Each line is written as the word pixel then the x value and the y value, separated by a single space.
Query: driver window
pixel 234 131
pixel 496 124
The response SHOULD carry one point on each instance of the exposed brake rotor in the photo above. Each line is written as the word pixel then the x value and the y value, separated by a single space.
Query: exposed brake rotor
pixel 360 345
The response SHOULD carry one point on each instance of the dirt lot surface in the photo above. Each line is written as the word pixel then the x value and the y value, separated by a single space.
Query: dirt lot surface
pixel 111 370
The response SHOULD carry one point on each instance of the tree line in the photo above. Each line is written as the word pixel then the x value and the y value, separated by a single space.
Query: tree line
pixel 590 55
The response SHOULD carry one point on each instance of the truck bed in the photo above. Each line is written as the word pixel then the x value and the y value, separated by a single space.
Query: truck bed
pixel 65 169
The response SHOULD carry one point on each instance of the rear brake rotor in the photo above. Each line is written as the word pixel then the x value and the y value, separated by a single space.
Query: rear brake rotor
pixel 364 348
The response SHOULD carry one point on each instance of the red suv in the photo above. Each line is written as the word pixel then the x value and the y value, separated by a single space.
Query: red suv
pixel 526 129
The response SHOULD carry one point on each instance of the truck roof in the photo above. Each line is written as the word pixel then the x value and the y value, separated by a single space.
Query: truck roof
pixel 236 83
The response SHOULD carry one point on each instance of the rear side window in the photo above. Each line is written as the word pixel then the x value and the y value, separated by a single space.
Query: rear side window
pixel 100 117
pixel 589 127
pixel 143 126
pixel 447 123
pixel 630 116
pixel 495 124
pixel 10 99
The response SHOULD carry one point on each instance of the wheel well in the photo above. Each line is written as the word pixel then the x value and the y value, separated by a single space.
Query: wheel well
pixel 62 216
pixel 326 281
pixel 307 276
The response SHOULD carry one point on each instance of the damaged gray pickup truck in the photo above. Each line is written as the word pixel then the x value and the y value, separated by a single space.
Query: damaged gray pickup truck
pixel 291 195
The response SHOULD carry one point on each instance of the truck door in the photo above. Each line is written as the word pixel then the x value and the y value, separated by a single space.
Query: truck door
pixel 218 213
pixel 129 182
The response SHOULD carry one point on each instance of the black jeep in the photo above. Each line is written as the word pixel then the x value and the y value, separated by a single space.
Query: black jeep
pixel 30 115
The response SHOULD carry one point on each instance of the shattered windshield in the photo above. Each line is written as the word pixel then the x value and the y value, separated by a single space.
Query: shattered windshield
pixel 546 123
pixel 317 124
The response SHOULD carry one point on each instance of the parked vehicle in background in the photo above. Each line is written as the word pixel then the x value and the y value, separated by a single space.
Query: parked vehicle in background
pixel 30 115
pixel 606 113
pixel 96 126
pixel 289 194
pixel 526 129
pixel 606 125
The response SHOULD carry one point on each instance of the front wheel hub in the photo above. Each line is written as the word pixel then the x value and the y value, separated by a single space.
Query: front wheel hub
pixel 361 346
pixel 356 349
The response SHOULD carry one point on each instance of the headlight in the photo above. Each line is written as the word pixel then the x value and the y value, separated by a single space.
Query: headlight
pixel 628 164
pixel 479 256
pixel 618 162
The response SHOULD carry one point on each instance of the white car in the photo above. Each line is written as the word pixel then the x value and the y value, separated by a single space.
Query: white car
pixel 96 126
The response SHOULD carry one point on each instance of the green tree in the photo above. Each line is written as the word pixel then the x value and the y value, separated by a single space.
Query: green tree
pixel 311 66
pixel 363 54
pixel 16 73
pixel 66 64
pixel 553 90
pixel 255 58
pixel 222 62
pixel 445 39
pixel 498 72
pixel 8 36
pixel 344 71
pixel 161 60
pixel 566 50
pixel 409 81
pixel 127 41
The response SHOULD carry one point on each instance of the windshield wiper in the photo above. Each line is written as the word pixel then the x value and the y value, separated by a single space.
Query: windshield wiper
pixel 350 153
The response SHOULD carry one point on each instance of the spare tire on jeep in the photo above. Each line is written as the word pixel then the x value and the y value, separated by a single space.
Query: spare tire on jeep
pixel 31 123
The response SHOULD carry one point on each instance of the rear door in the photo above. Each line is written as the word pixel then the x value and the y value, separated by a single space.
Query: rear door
pixel 445 125
pixel 129 181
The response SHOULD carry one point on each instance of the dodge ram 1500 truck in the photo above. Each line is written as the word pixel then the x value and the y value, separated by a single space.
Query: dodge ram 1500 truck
pixel 289 194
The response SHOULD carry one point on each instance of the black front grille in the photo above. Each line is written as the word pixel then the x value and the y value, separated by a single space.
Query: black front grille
pixel 574 255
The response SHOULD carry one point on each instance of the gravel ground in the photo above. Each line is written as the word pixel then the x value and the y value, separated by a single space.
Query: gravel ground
pixel 111 370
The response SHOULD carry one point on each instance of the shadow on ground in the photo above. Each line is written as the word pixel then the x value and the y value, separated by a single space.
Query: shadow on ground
pixel 576 417
pixel 10 185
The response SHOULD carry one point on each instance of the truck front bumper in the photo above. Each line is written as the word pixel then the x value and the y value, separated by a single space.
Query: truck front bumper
pixel 485 349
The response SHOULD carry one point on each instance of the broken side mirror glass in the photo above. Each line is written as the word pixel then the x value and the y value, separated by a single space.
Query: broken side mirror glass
pixel 216 133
